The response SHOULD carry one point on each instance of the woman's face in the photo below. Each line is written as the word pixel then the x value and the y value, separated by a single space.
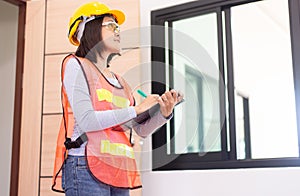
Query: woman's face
pixel 111 35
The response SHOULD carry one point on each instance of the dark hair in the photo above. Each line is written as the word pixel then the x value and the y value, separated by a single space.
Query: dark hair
pixel 91 44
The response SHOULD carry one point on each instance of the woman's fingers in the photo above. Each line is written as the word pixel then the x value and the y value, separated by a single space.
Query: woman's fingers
pixel 161 102
pixel 147 103
pixel 167 102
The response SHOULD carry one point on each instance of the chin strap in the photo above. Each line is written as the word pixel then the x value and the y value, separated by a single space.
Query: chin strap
pixel 110 57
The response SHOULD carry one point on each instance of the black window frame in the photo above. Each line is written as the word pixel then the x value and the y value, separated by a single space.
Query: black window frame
pixel 224 159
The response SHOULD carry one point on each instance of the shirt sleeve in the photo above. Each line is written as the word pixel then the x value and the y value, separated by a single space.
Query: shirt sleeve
pixel 151 125
pixel 79 98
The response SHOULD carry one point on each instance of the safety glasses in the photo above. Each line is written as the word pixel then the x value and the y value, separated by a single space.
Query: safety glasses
pixel 112 26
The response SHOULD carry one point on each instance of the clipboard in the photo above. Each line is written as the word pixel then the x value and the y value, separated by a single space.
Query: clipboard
pixel 143 117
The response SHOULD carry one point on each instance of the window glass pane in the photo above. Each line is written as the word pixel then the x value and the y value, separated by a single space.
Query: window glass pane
pixel 197 122
pixel 263 74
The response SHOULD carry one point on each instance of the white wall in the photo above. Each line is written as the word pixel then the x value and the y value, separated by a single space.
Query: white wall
pixel 8 48
pixel 237 182
pixel 227 182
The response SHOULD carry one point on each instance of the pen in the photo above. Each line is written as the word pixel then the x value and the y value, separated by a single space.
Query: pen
pixel 141 93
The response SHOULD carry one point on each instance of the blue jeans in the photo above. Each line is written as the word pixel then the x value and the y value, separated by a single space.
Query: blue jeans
pixel 77 180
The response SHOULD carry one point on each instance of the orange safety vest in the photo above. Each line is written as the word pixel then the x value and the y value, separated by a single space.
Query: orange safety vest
pixel 109 154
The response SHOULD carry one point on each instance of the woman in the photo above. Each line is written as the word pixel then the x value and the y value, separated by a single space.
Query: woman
pixel 99 159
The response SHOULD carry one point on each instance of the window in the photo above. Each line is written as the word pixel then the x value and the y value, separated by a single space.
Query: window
pixel 235 62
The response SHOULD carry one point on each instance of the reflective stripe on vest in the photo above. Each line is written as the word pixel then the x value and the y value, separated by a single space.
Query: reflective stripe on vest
pixel 116 149
pixel 105 95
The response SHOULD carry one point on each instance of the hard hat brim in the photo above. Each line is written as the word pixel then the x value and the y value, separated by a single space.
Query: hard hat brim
pixel 73 40
pixel 119 15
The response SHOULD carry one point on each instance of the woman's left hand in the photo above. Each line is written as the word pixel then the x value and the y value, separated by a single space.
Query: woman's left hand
pixel 167 101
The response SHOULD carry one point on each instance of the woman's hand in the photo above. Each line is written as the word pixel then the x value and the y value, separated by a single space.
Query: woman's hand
pixel 167 102
pixel 147 103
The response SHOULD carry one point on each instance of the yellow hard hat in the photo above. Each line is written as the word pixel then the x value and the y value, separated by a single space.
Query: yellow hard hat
pixel 88 10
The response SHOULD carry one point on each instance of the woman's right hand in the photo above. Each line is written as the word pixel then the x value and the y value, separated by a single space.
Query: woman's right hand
pixel 147 103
